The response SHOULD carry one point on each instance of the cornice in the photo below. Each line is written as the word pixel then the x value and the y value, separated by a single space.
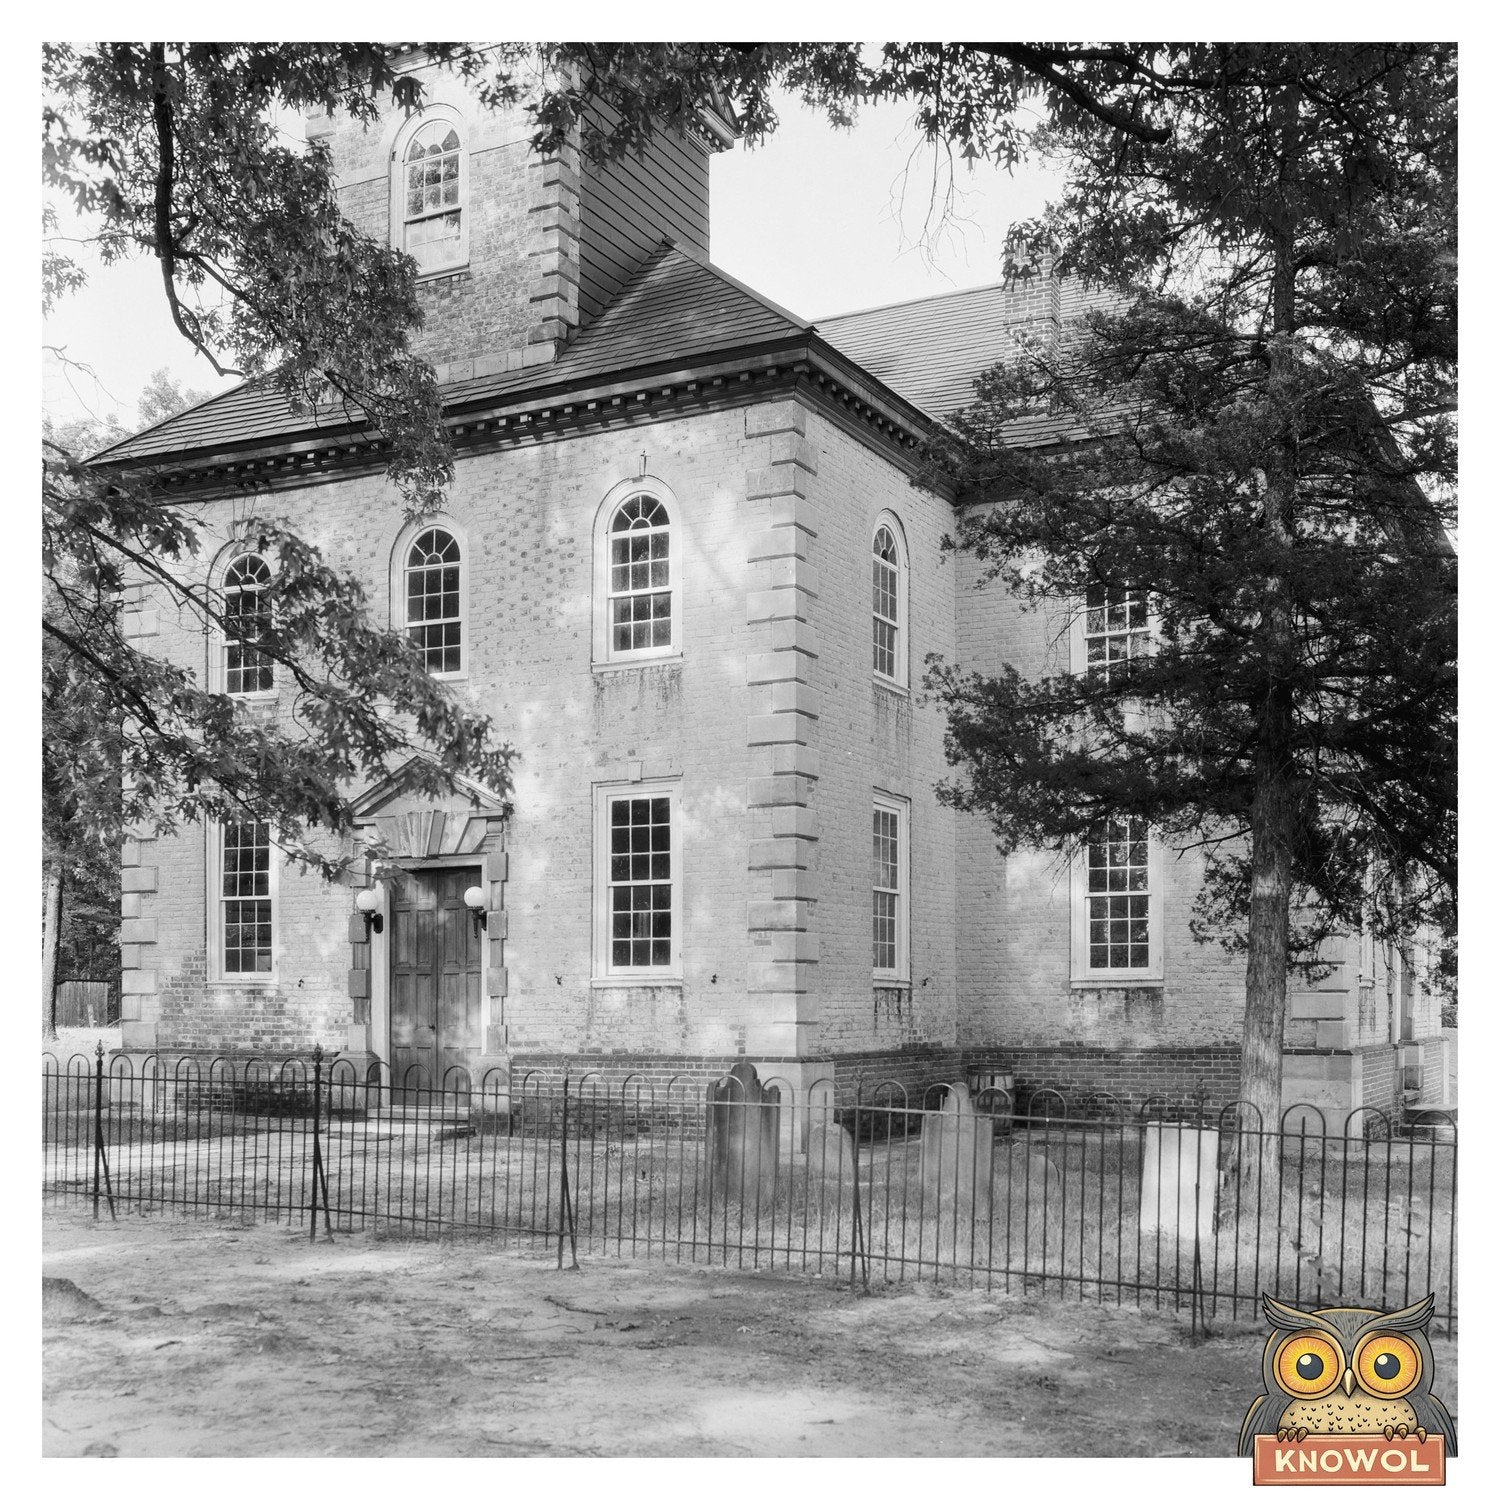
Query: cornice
pixel 803 366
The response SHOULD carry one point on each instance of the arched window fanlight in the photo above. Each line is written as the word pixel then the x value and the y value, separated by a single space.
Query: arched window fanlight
pixel 247 620
pixel 434 600
pixel 434 183
pixel 886 570
pixel 640 577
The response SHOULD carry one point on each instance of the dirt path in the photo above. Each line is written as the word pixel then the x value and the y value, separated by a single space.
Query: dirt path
pixel 210 1338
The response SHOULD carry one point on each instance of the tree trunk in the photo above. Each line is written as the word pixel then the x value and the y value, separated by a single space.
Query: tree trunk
pixel 51 915
pixel 1274 809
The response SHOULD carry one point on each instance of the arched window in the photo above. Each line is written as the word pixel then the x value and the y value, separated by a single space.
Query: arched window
pixel 434 600
pixel 640 578
pixel 888 610
pixel 247 618
pixel 433 195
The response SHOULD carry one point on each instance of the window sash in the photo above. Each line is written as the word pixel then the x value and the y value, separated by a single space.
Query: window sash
pixel 1116 629
pixel 639 595
pixel 887 893
pixel 434 601
pixel 639 883
pixel 1119 898
pixel 246 902
pixel 247 620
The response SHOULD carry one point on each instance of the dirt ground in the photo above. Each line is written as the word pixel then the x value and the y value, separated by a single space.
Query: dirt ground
pixel 206 1337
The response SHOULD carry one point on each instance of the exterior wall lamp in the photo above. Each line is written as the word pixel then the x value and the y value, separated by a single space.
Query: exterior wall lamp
pixel 367 904
pixel 476 900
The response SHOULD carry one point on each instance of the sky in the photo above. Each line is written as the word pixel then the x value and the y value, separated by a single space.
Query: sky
pixel 819 220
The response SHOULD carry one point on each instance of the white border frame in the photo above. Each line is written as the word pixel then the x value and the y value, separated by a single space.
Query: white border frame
pixel 214 910
pixel 606 792
pixel 901 806
pixel 397 173
pixel 604 655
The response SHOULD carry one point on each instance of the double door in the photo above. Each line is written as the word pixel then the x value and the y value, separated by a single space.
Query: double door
pixel 435 975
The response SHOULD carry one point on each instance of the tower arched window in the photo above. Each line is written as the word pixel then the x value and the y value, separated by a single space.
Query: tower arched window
pixel 432 192
pixel 247 620
pixel 640 578
pixel 434 600
pixel 888 603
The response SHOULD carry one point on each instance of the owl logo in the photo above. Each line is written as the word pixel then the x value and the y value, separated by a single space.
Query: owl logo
pixel 1347 1370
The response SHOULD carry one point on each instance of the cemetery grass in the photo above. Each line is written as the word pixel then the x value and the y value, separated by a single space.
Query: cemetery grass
pixel 209 1337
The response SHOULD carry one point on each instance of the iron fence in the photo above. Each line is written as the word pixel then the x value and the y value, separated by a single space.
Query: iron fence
pixel 1175 1205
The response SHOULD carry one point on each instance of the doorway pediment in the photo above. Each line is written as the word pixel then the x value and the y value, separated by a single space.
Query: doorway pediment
pixel 407 824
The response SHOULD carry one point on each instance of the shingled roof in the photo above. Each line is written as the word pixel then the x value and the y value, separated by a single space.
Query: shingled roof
pixel 676 311
pixel 931 349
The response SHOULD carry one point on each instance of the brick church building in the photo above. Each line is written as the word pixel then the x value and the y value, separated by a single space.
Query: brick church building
pixel 684 568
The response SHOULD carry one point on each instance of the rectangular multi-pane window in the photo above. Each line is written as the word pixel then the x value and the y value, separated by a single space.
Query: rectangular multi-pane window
pixel 1115 629
pixel 245 899
pixel 638 886
pixel 888 897
pixel 1119 896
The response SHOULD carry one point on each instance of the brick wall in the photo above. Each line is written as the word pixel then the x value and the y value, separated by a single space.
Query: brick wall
pixel 518 293
pixel 1133 1074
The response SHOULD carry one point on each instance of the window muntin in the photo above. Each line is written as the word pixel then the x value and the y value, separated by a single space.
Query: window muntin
pixel 639 884
pixel 1116 629
pixel 434 600
pixel 247 620
pixel 639 597
pixel 886 580
pixel 890 867
pixel 246 919
pixel 887 893
pixel 432 197
pixel 1119 896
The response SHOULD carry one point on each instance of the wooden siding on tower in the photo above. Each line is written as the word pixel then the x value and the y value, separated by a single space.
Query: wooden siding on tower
pixel 628 207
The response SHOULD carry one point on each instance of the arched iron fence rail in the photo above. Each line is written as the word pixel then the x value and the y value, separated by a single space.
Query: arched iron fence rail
pixel 1082 1198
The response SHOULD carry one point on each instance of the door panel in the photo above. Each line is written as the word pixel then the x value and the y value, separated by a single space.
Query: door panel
pixel 435 977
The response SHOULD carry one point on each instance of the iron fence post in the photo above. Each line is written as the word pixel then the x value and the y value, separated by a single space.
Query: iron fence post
pixel 101 1157
pixel 565 1220
pixel 318 1175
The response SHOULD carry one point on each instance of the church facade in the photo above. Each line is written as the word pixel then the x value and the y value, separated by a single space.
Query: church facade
pixel 684 568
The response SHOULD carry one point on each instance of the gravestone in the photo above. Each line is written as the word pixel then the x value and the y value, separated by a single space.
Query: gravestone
pixel 957 1152
pixel 744 1126
pixel 1179 1177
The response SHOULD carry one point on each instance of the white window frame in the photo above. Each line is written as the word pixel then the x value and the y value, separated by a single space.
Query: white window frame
pixel 216 911
pixel 605 653
pixel 900 808
pixel 902 653
pixel 399 601
pixel 221 671
pixel 606 795
pixel 1082 971
pixel 434 117
pixel 1080 635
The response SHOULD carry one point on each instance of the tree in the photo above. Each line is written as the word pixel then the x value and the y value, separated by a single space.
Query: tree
pixel 1259 436
pixel 171 150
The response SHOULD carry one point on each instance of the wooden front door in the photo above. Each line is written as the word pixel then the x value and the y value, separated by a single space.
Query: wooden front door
pixel 435 978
